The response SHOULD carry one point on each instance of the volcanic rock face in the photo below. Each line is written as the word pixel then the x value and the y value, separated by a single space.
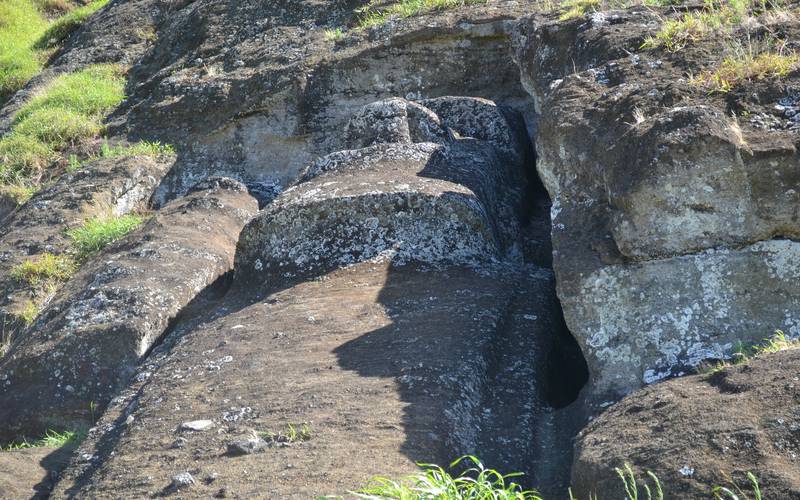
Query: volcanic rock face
pixel 696 430
pixel 377 299
pixel 86 344
pixel 393 300
pixel 119 186
pixel 672 223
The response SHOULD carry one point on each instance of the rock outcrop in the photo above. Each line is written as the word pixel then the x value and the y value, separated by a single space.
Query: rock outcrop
pixel 87 342
pixel 378 302
pixel 696 431
pixel 673 218
pixel 118 186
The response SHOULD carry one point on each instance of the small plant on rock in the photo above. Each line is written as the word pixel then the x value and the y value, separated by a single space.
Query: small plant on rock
pixel 51 439
pixel 98 232
pixel 46 267
pixel 632 485
pixel 292 434
pixel 734 492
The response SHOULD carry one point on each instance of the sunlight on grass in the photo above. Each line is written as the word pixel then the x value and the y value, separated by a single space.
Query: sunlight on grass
pixel 21 24
pixel 371 16
pixel 96 233
pixel 70 109
pixel 51 439
pixel 61 28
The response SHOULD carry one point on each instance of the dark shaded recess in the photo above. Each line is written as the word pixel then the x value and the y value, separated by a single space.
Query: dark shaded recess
pixel 567 371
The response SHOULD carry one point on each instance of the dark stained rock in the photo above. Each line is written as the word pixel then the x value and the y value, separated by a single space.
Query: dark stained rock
pixel 696 431
pixel 86 344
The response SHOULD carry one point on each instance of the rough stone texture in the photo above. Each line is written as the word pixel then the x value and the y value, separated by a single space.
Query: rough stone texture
pixel 259 100
pixel 456 203
pixel 373 301
pixel 693 430
pixel 120 185
pixel 672 220
pixel 384 364
pixel 86 344
pixel 31 473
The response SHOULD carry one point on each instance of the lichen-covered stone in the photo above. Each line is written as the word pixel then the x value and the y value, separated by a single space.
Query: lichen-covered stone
pixel 457 201
pixel 673 221
pixel 87 342
pixel 701 430
pixel 118 185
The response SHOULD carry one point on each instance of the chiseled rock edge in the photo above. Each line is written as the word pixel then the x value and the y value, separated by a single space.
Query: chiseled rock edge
pixel 87 342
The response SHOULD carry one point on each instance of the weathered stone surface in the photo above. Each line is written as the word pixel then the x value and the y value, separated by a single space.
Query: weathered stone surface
pixel 376 302
pixel 457 202
pixel 119 185
pixel 259 100
pixel 693 431
pixel 673 221
pixel 386 365
pixel 86 344
pixel 31 473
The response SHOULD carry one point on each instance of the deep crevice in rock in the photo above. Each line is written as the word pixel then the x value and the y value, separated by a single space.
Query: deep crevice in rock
pixel 566 372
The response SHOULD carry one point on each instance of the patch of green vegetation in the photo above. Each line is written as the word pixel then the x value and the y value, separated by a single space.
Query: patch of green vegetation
pixel 717 17
pixel 292 434
pixel 734 492
pixel 578 8
pixel 746 66
pixel 58 127
pixel 51 439
pixel 334 35
pixel 433 482
pixel 93 91
pixel 152 149
pixel 776 343
pixel 61 28
pixel 44 274
pixel 45 267
pixel 479 483
pixel 22 157
pixel 692 27
pixel 29 312
pixel 66 111
pixel 17 194
pixel 20 26
pixel 371 16
pixel 98 232
pixel 631 484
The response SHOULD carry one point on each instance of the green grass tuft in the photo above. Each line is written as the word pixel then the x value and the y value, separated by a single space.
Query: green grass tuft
pixel 66 24
pixel 578 8
pixel 334 35
pixel 370 16
pixel 93 91
pixel 20 26
pixel 97 233
pixel 66 111
pixel 433 482
pixel 153 149
pixel 21 157
pixel 58 127
pixel 46 267
pixel 51 439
